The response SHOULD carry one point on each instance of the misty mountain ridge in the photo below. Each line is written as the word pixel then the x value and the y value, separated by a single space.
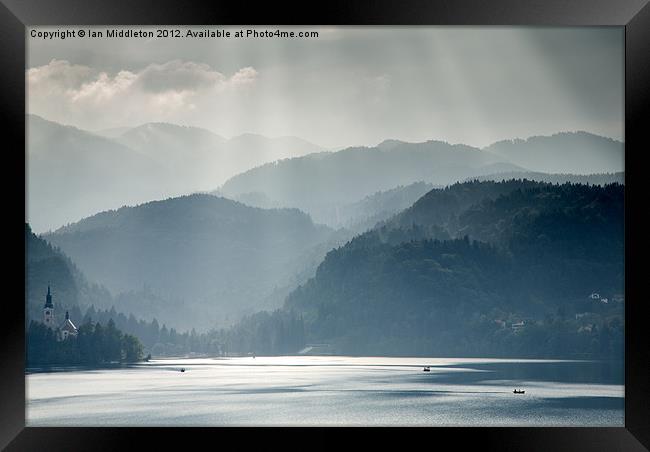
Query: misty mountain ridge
pixel 327 183
pixel 219 257
pixel 455 155
pixel 366 213
pixel 160 160
pixel 148 162
pixel 223 157
pixel 111 132
pixel 324 184
pixel 564 152
pixel 196 206
pixel 158 133
pixel 72 173
pixel 171 128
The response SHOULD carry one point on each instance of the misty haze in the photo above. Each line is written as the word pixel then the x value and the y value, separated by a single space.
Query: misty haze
pixel 420 223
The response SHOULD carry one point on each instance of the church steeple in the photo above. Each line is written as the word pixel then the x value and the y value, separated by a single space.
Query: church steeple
pixel 48 298
pixel 48 310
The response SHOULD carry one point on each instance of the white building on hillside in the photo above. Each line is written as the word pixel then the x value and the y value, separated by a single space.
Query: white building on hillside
pixel 67 328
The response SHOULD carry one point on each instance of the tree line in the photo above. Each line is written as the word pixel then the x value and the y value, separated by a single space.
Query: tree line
pixel 271 333
pixel 94 344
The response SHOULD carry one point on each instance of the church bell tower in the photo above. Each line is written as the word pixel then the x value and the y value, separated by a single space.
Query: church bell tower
pixel 48 310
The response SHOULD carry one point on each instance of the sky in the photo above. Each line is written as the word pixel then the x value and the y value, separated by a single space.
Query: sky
pixel 348 86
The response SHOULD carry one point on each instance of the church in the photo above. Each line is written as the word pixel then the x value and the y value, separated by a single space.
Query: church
pixel 67 328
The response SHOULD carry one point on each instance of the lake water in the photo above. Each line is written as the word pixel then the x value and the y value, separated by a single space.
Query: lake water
pixel 316 391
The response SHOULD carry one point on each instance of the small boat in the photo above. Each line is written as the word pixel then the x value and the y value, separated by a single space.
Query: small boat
pixel 426 369
pixel 518 392
pixel 182 369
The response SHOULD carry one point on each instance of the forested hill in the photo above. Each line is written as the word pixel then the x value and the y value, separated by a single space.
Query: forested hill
pixel 437 213
pixel 42 265
pixel 522 212
pixel 210 256
pixel 453 273
pixel 45 264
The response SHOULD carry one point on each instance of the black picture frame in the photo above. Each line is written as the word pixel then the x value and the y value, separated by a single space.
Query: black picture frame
pixel 634 15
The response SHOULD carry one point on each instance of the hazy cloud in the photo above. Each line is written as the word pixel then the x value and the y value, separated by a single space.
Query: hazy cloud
pixel 178 76
pixel 57 76
pixel 244 76
pixel 155 91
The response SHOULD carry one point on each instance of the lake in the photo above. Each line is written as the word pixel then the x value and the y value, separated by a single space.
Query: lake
pixel 332 390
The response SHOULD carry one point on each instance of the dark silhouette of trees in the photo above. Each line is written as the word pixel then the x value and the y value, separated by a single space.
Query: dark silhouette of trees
pixel 93 345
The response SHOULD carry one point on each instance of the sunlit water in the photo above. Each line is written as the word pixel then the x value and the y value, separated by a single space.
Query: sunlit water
pixel 331 391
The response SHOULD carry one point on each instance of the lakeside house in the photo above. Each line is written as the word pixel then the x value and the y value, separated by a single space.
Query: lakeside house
pixel 518 326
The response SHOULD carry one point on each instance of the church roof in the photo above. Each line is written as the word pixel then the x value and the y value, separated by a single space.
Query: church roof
pixel 68 326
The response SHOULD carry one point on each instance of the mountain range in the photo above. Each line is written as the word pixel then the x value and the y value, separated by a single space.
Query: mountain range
pixel 73 173
pixel 321 184
pixel 362 233
pixel 327 184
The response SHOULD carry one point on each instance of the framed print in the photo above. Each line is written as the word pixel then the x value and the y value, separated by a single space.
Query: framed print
pixel 380 215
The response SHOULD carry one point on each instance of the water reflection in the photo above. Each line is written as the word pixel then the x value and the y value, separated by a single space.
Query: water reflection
pixel 331 391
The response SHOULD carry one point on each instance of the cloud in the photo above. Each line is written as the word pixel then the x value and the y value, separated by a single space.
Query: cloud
pixel 58 76
pixel 103 88
pixel 244 76
pixel 155 91
pixel 179 76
